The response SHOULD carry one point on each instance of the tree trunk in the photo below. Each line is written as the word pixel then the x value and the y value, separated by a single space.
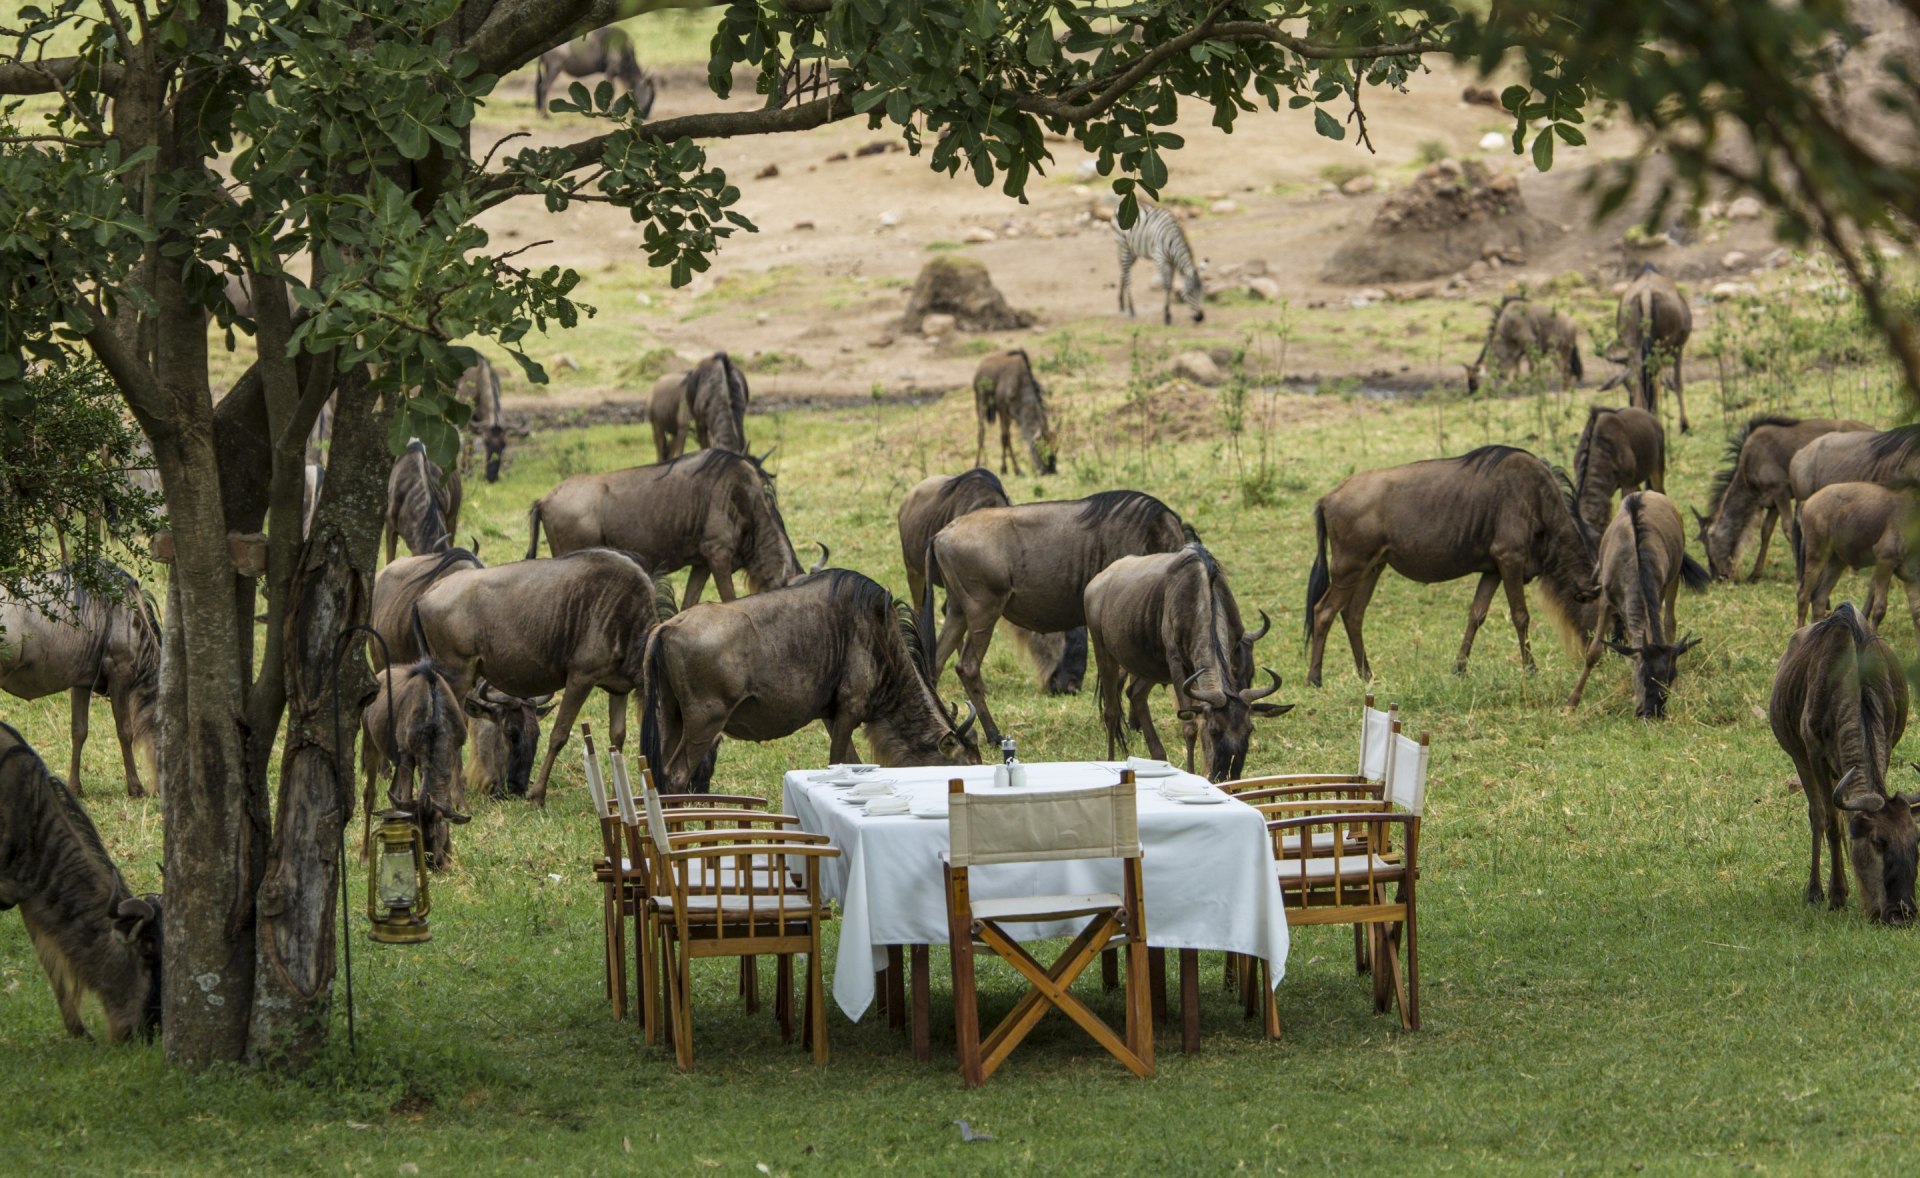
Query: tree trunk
pixel 329 592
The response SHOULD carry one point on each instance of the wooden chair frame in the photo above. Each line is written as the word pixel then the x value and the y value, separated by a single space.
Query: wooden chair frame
pixel 1049 984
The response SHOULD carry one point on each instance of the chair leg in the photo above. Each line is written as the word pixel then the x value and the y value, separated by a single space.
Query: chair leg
pixel 966 1010
pixel 750 983
pixel 922 1013
pixel 647 971
pixel 783 995
pixel 896 988
pixel 1360 961
pixel 1189 1000
pixel 683 1029
pixel 1157 982
pixel 1411 1010
pixel 1269 1006
pixel 817 1001
pixel 1378 949
pixel 1229 964
pixel 614 917
pixel 1109 970
pixel 1141 1003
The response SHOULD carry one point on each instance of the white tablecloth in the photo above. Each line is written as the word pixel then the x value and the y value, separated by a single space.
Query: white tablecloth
pixel 1209 872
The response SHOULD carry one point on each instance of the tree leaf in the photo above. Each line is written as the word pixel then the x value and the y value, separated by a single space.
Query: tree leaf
pixel 1327 125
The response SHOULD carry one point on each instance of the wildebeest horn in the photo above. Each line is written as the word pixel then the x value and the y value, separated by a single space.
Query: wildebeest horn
pixel 1686 644
pixel 1619 647
pixel 1266 623
pixel 1697 517
pixel 1187 688
pixel 762 460
pixel 825 552
pixel 1251 694
pixel 1863 800
pixel 961 729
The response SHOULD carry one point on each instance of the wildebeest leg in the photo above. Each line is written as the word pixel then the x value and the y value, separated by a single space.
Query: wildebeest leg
pixel 1107 673
pixel 979 435
pixel 1006 445
pixel 1773 515
pixel 953 628
pixel 80 698
pixel 1679 395
pixel 1836 867
pixel 1816 823
pixel 720 565
pixel 840 750
pixel 1824 579
pixel 1353 615
pixel 123 728
pixel 1673 597
pixel 1603 625
pixel 1476 614
pixel 66 990
pixel 973 652
pixel 696 584
pixel 617 719
pixel 393 536
pixel 1141 717
pixel 1877 595
pixel 1913 602
pixel 1517 610
pixel 575 696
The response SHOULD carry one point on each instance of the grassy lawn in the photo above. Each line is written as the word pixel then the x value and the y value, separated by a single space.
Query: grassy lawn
pixel 1620 971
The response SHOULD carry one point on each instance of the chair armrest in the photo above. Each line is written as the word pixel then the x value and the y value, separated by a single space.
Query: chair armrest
pixel 1308 790
pixel 674 817
pixel 730 851
pixel 729 801
pixel 1296 779
pixel 1370 817
pixel 796 838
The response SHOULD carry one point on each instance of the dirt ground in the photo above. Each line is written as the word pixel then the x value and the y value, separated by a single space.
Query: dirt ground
pixel 806 303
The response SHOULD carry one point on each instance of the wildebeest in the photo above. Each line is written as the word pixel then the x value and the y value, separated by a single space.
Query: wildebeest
pixel 1856 526
pixel 1497 511
pixel 1030 564
pixel 91 934
pixel 415 726
pixel 480 387
pixel 1004 389
pixel 1621 449
pixel 1654 321
pixel 538 626
pixel 713 512
pixel 1525 332
pixel 667 414
pixel 89 643
pixel 1755 479
pixel 607 50
pixel 504 737
pixel 932 504
pixel 716 393
pixel 1643 560
pixel 423 503
pixel 1839 706
pixel 830 647
pixel 1890 458
pixel 1170 618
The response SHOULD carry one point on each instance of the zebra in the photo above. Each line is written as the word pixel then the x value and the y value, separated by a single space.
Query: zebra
pixel 1157 237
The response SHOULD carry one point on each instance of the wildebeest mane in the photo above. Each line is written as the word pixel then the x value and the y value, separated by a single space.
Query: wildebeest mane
pixel 1893 446
pixel 448 559
pixel 978 481
pixel 1644 562
pixel 1723 478
pixel 861 595
pixel 1486 458
pixel 1136 508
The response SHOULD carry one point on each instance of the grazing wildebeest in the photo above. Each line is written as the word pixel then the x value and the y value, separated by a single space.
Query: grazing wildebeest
pixel 1170 618
pixel 504 738
pixel 1620 450
pixel 1497 511
pixel 423 503
pixel 667 414
pixel 1030 565
pixel 1890 458
pixel 1643 560
pixel 1839 706
pixel 1654 322
pixel 1524 332
pixel 538 626
pixel 1856 526
pixel 415 726
pixel 480 387
pixel 830 647
pixel 606 50
pixel 716 393
pixel 713 512
pixel 1004 389
pixel 1754 479
pixel 91 934
pixel 87 644
pixel 935 502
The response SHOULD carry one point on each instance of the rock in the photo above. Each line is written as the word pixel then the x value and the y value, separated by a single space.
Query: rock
pixel 1329 187
pixel 768 172
pixel 1479 96
pixel 1618 289
pixel 1225 206
pixel 1087 170
pixel 878 148
pixel 1101 211
pixel 1745 208
pixel 1197 367
pixel 1265 288
pixel 956 285
pixel 1890 252
pixel 979 233
pixel 1729 290
pixel 564 360
pixel 1367 297
pixel 1253 268
pixel 1493 141
pixel 938 326
pixel 1082 191
pixel 803 224
pixel 1358 186
pixel 1504 184
pixel 836 157
pixel 1735 260
pixel 1777 258
pixel 889 219
pixel 1713 210
pixel 883 340
pixel 1222 357
pixel 1447 167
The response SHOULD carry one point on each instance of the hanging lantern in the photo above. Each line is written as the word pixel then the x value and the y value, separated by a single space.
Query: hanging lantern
pixel 397 900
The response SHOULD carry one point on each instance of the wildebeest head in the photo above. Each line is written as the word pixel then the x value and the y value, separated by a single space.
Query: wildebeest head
pixel 1655 665
pixel 137 925
pixel 505 739
pixel 494 440
pixel 1884 847
pixel 1227 719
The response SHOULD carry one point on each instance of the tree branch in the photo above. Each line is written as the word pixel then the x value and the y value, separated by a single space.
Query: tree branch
pixel 135 380
pixel 60 73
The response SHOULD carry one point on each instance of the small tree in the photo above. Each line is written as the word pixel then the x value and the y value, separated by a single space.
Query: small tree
pixel 323 151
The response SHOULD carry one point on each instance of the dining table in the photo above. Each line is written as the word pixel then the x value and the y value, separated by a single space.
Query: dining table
pixel 1206 859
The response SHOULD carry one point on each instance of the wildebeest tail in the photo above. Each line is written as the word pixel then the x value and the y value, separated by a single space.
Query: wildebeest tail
pixel 1693 574
pixel 1646 353
pixel 1799 547
pixel 533 526
pixel 1317 576
pixel 929 638
pixel 652 700
pixel 419 636
pixel 1573 363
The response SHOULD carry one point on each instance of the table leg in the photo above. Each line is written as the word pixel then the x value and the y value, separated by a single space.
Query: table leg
pixel 1110 970
pixel 880 990
pixel 896 990
pixel 1157 982
pixel 922 1014
pixel 1189 1000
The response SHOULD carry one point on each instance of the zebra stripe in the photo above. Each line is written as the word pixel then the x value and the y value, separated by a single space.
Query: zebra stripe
pixel 1157 237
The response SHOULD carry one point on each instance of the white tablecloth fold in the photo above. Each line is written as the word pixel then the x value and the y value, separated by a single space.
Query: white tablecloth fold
pixel 1209 871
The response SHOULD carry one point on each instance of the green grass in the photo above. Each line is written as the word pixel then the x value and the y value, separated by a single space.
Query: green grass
pixel 1619 969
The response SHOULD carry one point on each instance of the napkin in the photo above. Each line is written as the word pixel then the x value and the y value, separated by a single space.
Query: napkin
pixel 1184 788
pixel 887 805
pixel 872 789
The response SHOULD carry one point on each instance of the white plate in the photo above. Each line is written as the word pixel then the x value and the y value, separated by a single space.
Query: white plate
pixel 1162 771
pixel 842 774
pixel 1202 800
pixel 940 814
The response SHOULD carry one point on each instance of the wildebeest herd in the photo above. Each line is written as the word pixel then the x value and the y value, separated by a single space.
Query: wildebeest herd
pixel 481 654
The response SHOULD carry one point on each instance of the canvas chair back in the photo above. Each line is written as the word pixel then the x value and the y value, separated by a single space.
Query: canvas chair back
pixel 596 785
pixel 1376 740
pixel 1407 774
pixel 1025 828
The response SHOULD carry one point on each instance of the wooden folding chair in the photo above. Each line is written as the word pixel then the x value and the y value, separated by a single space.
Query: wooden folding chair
pixel 1350 885
pixel 732 893
pixel 1023 828
pixel 1376 745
